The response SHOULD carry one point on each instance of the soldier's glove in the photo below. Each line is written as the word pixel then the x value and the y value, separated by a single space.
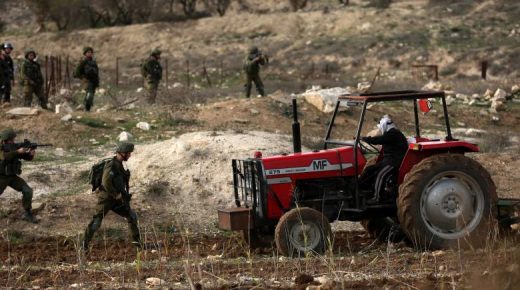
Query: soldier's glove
pixel 365 139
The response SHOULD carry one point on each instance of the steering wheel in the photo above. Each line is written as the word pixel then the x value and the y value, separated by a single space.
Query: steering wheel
pixel 368 148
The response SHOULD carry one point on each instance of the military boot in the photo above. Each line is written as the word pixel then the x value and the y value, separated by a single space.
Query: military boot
pixel 28 216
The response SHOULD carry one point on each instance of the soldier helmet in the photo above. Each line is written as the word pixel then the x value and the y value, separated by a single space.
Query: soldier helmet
pixel 155 52
pixel 28 51
pixel 7 134
pixel 6 45
pixel 87 49
pixel 124 147
pixel 253 50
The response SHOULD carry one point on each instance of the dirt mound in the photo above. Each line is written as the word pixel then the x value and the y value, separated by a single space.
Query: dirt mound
pixel 192 173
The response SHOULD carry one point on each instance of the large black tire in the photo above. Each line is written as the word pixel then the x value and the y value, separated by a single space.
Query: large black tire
pixel 301 231
pixel 447 201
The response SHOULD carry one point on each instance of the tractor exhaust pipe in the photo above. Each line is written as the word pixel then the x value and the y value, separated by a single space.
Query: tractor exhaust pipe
pixel 296 136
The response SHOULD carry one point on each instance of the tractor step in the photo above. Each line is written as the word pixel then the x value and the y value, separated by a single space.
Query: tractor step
pixel 235 219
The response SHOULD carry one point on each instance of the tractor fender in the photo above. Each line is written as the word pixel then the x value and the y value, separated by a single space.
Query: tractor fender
pixel 418 151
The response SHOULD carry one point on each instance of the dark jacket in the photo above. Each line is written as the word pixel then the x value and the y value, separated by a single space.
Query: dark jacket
pixel 10 65
pixel 394 146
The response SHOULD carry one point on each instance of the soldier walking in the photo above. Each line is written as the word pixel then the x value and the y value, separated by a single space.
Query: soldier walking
pixel 88 72
pixel 252 65
pixel 32 80
pixel 8 48
pixel 11 168
pixel 152 74
pixel 113 195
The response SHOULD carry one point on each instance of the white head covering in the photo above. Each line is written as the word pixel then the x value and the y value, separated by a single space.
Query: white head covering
pixel 385 124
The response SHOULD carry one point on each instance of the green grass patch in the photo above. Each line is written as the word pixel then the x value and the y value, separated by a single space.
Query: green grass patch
pixel 94 123
pixel 175 122
pixel 15 237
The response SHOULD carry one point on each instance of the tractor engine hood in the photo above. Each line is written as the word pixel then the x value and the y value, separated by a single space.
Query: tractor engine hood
pixel 309 165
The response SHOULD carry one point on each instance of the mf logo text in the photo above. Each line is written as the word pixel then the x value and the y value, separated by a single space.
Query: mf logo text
pixel 319 164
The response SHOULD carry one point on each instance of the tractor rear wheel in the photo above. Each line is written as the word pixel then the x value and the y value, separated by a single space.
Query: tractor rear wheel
pixel 447 201
pixel 301 231
pixel 383 229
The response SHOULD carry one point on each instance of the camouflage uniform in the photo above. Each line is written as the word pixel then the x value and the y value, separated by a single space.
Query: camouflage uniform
pixel 88 72
pixel 111 195
pixel 152 73
pixel 4 75
pixel 32 81
pixel 252 65
pixel 10 71
pixel 11 168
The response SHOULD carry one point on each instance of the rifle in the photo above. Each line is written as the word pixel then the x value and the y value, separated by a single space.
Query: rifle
pixel 25 144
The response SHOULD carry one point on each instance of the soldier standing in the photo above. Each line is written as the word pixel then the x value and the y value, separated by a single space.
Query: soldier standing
pixel 88 72
pixel 252 65
pixel 32 80
pixel 4 74
pixel 152 73
pixel 113 195
pixel 11 168
pixel 8 48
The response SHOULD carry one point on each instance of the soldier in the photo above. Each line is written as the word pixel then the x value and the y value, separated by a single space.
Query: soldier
pixel 4 74
pixel 8 48
pixel 32 80
pixel 113 195
pixel 252 65
pixel 152 73
pixel 88 72
pixel 11 168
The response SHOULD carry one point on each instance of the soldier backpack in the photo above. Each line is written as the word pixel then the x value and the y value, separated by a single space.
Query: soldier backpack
pixel 95 175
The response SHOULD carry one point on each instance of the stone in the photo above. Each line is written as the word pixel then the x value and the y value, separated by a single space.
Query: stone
pixel 23 111
pixel 177 85
pixel 433 86
pixel 153 281
pixel 363 86
pixel 101 91
pixel 63 108
pixel 143 126
pixel 125 137
pixel 498 105
pixel 66 118
pixel 450 100
pixel 324 99
pixel 438 253
pixel 500 95
pixel 488 94
pixel 515 89
pixel 140 89
pixel 254 112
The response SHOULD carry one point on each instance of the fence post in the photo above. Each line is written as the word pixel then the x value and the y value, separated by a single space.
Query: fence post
pixel 205 72
pixel 117 71
pixel 484 67
pixel 166 73
pixel 188 73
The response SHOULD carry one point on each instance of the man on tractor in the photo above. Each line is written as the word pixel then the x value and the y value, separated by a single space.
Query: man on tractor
pixel 375 177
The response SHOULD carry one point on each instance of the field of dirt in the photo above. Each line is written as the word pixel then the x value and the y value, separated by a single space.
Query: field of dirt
pixel 181 167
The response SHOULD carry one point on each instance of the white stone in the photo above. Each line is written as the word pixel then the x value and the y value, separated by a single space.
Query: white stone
pixel 488 94
pixel 23 111
pixel 125 137
pixel 66 118
pixel 515 89
pixel 143 126
pixel 140 89
pixel 475 132
pixel 498 105
pixel 153 281
pixel 102 91
pixel 433 86
pixel 254 112
pixel 177 85
pixel 449 100
pixel 363 86
pixel 500 95
pixel 324 100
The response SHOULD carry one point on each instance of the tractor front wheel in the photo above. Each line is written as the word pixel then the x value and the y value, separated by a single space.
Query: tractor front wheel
pixel 447 201
pixel 301 231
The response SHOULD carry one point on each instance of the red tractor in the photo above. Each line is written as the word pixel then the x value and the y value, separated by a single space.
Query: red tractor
pixel 442 198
